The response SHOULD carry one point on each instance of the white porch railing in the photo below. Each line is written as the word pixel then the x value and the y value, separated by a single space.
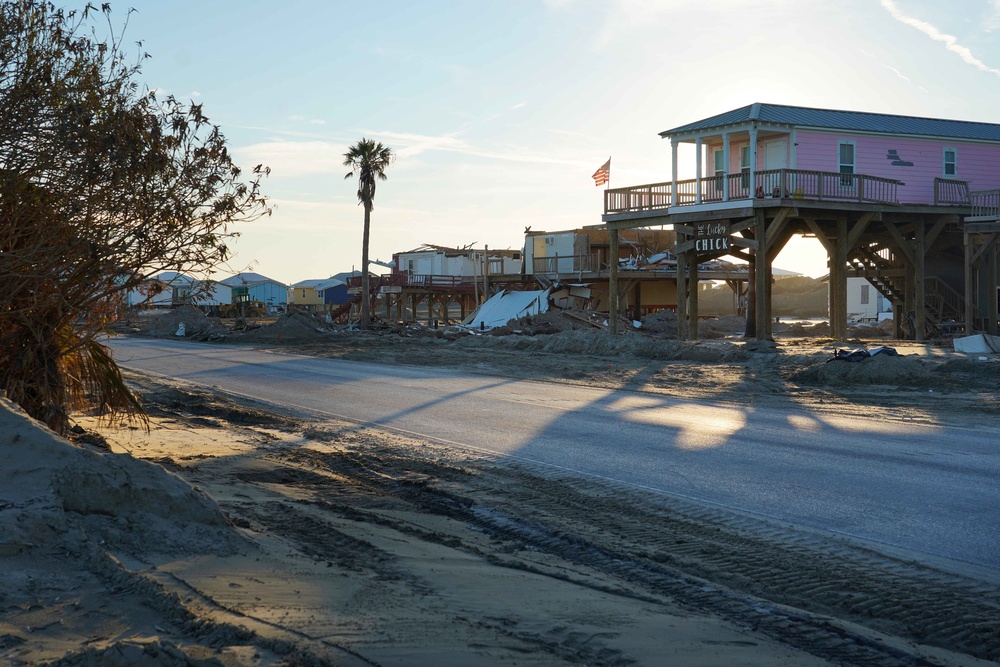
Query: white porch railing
pixel 773 183
pixel 948 191
pixel 564 264
pixel 985 204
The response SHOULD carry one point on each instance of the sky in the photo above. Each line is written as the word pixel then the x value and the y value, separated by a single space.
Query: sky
pixel 499 111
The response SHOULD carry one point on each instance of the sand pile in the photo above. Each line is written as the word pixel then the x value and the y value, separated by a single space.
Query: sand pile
pixel 597 343
pixel 870 330
pixel 662 322
pixel 166 323
pixel 295 326
pixel 720 327
pixel 53 494
pixel 878 370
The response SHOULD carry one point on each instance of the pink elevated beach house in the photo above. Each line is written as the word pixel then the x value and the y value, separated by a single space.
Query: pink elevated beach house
pixel 912 204
pixel 776 151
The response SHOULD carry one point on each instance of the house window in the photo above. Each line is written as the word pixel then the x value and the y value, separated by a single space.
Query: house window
pixel 303 293
pixel 865 296
pixel 950 163
pixel 745 168
pixel 719 156
pixel 846 155
pixel 409 265
pixel 719 172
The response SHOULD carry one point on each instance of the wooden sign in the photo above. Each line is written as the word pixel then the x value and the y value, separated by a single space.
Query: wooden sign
pixel 711 237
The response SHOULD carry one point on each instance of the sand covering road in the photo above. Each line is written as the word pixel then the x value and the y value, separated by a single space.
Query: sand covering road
pixel 232 535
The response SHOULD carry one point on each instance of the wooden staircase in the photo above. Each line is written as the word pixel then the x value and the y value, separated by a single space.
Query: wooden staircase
pixel 343 310
pixel 944 307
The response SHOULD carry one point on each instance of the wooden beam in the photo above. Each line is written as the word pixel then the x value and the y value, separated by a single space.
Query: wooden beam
pixel 693 302
pixel 762 307
pixel 985 244
pixel 742 242
pixel 780 242
pixel 981 227
pixel 777 226
pixel 682 314
pixel 574 316
pixel 859 227
pixel 613 281
pixel 938 227
pixel 991 286
pixel 829 245
pixel 838 283
pixel 904 245
pixel 686 246
pixel 919 287
pixel 969 291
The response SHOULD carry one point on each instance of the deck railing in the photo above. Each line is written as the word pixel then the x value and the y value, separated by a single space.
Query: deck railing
pixel 951 192
pixel 565 264
pixel 985 203
pixel 418 281
pixel 772 183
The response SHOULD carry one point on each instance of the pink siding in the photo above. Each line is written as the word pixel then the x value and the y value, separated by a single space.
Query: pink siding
pixel 734 155
pixel 979 164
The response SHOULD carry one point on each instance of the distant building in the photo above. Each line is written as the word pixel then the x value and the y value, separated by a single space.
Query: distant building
pixel 260 288
pixel 306 294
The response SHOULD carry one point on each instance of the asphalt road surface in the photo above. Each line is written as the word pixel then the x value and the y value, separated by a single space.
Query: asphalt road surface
pixel 931 490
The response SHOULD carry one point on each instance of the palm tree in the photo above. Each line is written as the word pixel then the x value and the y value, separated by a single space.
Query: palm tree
pixel 368 160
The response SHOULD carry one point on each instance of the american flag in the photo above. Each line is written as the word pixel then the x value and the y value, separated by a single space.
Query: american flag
pixel 602 175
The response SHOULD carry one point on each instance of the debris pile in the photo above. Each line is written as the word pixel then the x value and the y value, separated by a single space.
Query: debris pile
pixel 553 321
pixel 167 324
pixel 882 369
pixel 295 326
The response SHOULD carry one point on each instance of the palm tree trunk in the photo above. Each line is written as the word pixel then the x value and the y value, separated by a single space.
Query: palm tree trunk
pixel 366 303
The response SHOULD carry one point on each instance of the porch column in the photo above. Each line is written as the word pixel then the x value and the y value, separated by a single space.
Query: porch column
pixel 725 166
pixel 753 161
pixel 673 168
pixel 693 297
pixel 919 284
pixel 682 287
pixel 969 291
pixel 613 281
pixel 698 170
pixel 762 309
pixel 838 283
pixel 991 288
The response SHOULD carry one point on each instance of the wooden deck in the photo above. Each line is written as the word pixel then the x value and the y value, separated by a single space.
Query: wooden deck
pixel 985 206
pixel 771 184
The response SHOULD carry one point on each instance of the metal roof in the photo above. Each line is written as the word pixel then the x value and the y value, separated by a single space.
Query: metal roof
pixel 505 306
pixel 833 119
pixel 314 283
pixel 249 279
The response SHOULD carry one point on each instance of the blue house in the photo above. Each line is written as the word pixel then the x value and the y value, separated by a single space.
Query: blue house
pixel 260 288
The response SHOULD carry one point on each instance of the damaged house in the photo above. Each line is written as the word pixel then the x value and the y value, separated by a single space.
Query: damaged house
pixel 576 264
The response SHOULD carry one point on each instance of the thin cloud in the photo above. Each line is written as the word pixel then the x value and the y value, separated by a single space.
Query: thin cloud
pixel 950 41
pixel 896 72
pixel 415 144
pixel 992 19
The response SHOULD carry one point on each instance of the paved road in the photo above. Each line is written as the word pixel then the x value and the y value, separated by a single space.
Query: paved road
pixel 928 489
